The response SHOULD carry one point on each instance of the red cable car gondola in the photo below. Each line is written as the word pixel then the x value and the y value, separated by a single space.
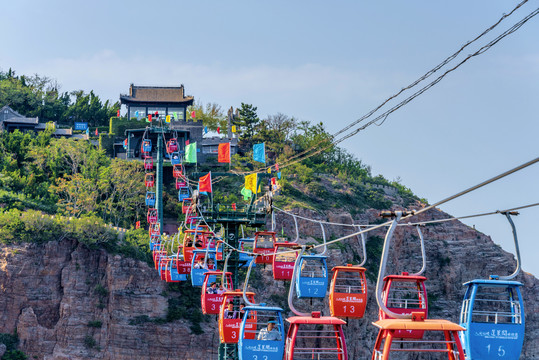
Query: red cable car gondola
pixel 148 163
pixel 404 294
pixel 155 229
pixel 149 180
pixel 284 260
pixel 264 241
pixel 177 170
pixel 348 292
pixel 211 299
pixel 194 239
pixel 229 326
pixel 390 336
pixel 151 216
pixel 172 145
pixel 186 205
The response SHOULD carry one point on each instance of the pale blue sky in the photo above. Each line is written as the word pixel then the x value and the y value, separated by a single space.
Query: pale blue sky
pixel 322 61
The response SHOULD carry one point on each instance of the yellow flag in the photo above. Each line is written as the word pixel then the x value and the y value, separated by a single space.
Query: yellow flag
pixel 233 128
pixel 269 170
pixel 250 183
pixel 168 118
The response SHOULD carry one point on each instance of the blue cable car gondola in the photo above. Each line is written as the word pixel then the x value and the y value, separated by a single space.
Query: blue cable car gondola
pixel 493 314
pixel 172 271
pixel 312 275
pixel 175 158
pixel 154 240
pixel 202 262
pixel 184 193
pixel 261 329
pixel 147 146
pixel 150 198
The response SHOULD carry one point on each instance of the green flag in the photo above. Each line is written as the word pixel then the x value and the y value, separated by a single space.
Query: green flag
pixel 191 153
pixel 246 193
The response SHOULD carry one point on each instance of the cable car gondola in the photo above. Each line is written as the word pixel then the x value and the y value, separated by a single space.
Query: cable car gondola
pixel 175 158
pixel 312 277
pixel 210 299
pixel 183 267
pixel 406 293
pixel 202 262
pixel 246 244
pixel 263 244
pixel 171 272
pixel 149 180
pixel 261 330
pixel 186 205
pixel 229 325
pixel 177 170
pixel 180 184
pixel 493 314
pixel 151 216
pixel 155 240
pixel 172 145
pixel 148 163
pixel 312 336
pixel 439 336
pixel 348 288
pixel 150 198
pixel 146 146
pixel 193 239
pixel 155 229
pixel 183 193
pixel 284 260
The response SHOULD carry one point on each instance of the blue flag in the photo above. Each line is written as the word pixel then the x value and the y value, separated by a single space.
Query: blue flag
pixel 205 130
pixel 279 175
pixel 259 153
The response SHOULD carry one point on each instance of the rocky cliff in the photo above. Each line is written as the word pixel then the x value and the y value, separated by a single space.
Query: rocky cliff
pixel 66 301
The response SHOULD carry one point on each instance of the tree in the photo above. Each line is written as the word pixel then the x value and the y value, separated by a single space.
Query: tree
pixel 247 122
pixel 211 115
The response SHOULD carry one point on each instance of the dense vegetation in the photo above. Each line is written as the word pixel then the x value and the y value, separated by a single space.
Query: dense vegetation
pixel 41 96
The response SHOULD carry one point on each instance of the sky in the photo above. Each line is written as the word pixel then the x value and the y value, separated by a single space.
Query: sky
pixel 329 62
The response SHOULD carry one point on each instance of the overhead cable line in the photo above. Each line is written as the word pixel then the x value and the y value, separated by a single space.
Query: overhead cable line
pixel 299 157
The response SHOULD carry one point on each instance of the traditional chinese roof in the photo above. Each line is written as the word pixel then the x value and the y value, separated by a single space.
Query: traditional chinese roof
pixel 156 94
pixel 9 115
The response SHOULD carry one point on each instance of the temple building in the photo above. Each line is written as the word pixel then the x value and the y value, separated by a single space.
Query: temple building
pixel 161 102
pixel 11 120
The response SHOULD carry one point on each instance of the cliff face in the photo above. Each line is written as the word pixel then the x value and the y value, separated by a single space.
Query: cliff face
pixel 69 302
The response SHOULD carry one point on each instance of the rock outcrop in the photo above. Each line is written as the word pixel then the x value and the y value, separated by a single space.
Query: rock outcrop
pixel 66 301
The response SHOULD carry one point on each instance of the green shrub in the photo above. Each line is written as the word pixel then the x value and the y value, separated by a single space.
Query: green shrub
pixel 95 324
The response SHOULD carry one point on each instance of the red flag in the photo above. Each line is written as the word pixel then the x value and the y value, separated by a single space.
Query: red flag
pixel 150 117
pixel 204 183
pixel 234 206
pixel 186 142
pixel 193 114
pixel 223 153
pixel 276 167
pixel 218 130
pixel 118 113
pixel 156 115
pixel 273 181
pixel 137 225
pixel 96 133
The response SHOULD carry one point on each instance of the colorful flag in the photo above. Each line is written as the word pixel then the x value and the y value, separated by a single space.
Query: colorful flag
pixel 193 114
pixel 149 118
pixel 167 119
pixel 273 181
pixel 246 193
pixel 96 132
pixel 259 153
pixel 118 113
pixel 234 206
pixel 204 183
pixel 223 153
pixel 191 153
pixel 218 130
pixel 279 175
pixel 205 130
pixel 88 131
pixel 277 167
pixel 233 128
pixel 269 170
pixel 175 115
pixel 250 183
pixel 186 142
pixel 137 225
pixel 136 114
